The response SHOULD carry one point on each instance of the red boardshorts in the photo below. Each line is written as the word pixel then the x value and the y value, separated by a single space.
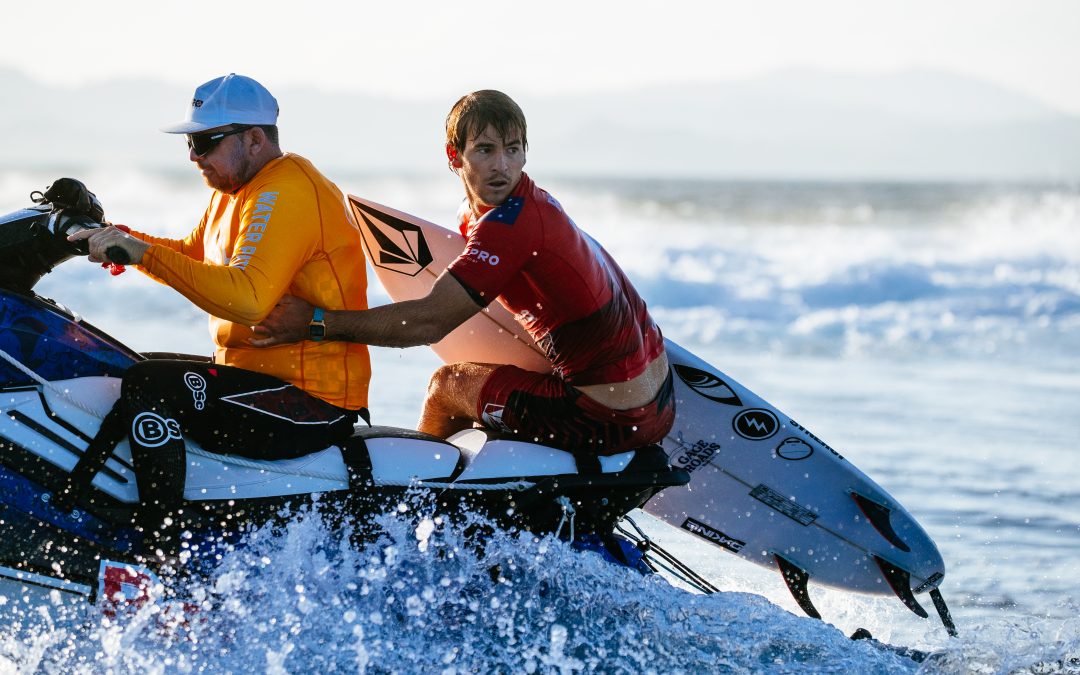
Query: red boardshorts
pixel 544 409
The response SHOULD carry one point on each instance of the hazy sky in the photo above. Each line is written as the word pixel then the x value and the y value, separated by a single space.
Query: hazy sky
pixel 440 49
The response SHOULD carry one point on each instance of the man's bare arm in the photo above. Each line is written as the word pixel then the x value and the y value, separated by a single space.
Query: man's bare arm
pixel 400 324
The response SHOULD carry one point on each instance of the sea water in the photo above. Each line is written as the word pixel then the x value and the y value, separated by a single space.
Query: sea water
pixel 927 331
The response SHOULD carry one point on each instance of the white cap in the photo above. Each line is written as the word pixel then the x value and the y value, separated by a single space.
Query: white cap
pixel 233 99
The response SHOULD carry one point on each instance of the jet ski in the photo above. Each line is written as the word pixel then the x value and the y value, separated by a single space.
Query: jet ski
pixel 59 377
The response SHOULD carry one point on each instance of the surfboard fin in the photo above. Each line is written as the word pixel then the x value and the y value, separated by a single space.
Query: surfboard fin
pixel 900 581
pixel 796 577
pixel 943 612
pixel 878 515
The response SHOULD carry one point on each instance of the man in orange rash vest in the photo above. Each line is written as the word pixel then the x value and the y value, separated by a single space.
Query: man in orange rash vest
pixel 274 225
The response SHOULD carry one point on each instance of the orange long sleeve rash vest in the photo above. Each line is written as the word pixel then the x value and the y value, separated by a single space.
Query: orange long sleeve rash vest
pixel 287 230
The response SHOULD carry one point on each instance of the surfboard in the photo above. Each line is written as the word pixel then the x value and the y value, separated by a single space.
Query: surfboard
pixel 763 487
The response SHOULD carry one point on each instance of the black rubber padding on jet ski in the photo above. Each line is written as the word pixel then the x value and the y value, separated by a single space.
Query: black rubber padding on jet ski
pixel 357 462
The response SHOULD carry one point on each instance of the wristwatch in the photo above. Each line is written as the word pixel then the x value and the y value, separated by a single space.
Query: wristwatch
pixel 317 327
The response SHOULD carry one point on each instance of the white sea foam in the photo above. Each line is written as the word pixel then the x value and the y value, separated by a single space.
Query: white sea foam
pixel 303 597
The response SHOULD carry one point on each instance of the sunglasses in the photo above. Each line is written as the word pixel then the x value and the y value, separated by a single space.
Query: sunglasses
pixel 201 144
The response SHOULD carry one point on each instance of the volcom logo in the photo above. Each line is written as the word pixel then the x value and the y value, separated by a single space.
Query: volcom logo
pixel 196 103
pixel 484 256
pixel 152 430
pixel 708 385
pixel 392 243
pixel 755 424
pixel 197 385
pixel 492 417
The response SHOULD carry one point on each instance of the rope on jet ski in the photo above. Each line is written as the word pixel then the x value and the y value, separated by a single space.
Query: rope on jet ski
pixel 55 390
pixel 519 485
pixel 677 567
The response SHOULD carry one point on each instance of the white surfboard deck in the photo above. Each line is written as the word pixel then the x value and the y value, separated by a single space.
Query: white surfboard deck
pixel 761 485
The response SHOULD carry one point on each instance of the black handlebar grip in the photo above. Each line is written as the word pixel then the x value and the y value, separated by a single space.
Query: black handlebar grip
pixel 81 247
pixel 117 255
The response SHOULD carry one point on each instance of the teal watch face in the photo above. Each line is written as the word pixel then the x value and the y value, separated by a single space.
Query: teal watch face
pixel 317 328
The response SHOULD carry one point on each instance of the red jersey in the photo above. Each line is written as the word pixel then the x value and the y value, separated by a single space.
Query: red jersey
pixel 561 285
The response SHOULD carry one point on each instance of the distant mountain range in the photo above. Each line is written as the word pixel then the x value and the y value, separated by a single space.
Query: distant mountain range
pixel 908 125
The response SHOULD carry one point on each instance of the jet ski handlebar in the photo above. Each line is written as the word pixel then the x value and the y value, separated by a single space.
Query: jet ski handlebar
pixel 33 240
pixel 64 225
pixel 71 196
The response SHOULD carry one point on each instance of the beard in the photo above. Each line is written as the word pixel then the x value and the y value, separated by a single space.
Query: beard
pixel 243 169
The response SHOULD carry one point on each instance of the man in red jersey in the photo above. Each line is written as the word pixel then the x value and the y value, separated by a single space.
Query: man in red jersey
pixel 610 387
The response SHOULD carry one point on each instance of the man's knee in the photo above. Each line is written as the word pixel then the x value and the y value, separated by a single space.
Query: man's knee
pixel 455 387
pixel 443 380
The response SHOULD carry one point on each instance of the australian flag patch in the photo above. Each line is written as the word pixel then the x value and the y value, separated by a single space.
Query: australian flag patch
pixel 507 212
